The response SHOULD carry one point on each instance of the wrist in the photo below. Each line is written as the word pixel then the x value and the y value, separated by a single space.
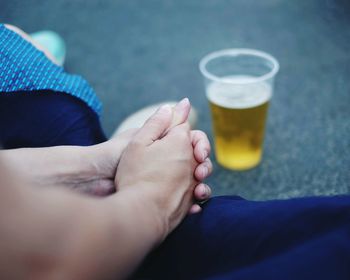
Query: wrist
pixel 152 220
pixel 72 165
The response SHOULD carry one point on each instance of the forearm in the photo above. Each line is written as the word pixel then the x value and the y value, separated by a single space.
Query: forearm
pixel 111 240
pixel 54 234
pixel 129 231
pixel 53 165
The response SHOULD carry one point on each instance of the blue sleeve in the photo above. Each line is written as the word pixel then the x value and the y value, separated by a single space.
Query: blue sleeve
pixel 27 69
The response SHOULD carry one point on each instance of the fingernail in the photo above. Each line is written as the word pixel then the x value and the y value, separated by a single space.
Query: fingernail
pixel 184 102
pixel 204 155
pixel 208 191
pixel 205 191
pixel 164 109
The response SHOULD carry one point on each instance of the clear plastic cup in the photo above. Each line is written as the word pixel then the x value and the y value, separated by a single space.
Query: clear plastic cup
pixel 239 87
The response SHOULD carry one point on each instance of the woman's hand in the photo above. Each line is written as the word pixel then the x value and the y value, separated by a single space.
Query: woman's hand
pixel 159 169
pixel 201 151
pixel 113 149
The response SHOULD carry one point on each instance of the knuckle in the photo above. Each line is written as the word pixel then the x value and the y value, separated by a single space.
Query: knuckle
pixel 199 134
pixel 205 139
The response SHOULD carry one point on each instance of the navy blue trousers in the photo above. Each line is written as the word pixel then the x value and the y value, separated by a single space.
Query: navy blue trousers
pixel 304 238
pixel 45 119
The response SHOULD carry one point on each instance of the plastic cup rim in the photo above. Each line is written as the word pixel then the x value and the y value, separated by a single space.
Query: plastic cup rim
pixel 236 52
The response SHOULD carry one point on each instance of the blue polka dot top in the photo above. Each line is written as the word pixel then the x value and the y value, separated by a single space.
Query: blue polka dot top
pixel 25 68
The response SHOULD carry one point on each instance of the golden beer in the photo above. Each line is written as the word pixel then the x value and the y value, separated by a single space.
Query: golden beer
pixel 239 115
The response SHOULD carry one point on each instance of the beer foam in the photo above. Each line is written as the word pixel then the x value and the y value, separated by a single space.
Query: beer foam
pixel 239 96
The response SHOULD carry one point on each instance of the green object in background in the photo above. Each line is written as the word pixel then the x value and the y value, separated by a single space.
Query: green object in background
pixel 53 42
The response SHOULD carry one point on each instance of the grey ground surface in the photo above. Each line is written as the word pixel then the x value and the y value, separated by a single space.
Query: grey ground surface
pixel 138 52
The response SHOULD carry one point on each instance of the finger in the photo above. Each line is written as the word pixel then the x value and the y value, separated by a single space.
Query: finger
pixel 181 112
pixel 184 127
pixel 202 192
pixel 203 170
pixel 155 126
pixel 201 145
pixel 195 208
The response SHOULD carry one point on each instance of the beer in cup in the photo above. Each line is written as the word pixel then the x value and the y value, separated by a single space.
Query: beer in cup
pixel 239 87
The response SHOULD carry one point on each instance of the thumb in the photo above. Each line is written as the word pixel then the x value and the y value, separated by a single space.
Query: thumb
pixel 181 112
pixel 155 127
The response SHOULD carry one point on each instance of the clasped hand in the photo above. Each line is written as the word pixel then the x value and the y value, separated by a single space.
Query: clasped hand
pixel 165 162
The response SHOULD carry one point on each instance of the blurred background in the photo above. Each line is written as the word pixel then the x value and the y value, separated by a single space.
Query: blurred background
pixel 135 53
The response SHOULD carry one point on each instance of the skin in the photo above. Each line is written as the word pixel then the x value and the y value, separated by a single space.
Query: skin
pixel 99 181
pixel 60 234
pixel 92 169
pixel 50 232
pixel 180 113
